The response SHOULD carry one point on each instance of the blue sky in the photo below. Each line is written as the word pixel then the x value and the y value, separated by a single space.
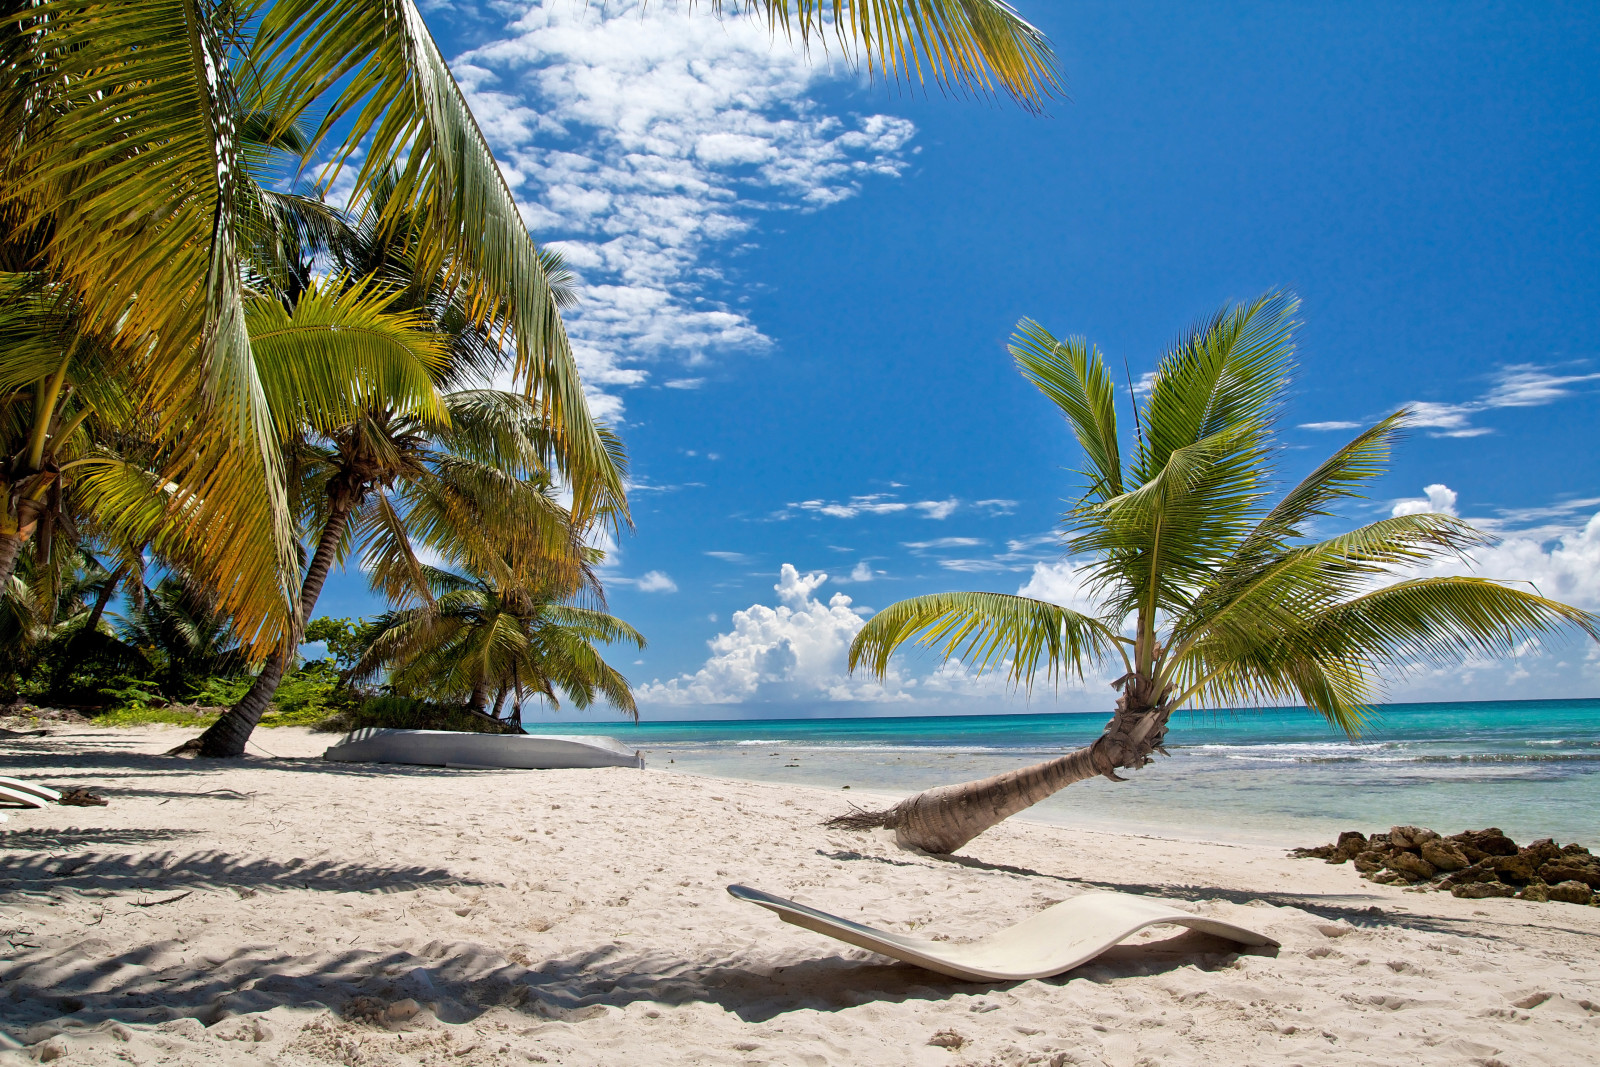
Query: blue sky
pixel 797 289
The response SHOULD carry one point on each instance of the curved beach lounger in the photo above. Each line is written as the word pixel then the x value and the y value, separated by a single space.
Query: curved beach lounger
pixel 1057 939
pixel 44 792
pixel 21 796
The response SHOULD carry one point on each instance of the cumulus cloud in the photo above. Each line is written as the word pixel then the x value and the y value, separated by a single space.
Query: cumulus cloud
pixel 1063 582
pixel 655 582
pixel 639 139
pixel 1438 498
pixel 1566 567
pixel 794 650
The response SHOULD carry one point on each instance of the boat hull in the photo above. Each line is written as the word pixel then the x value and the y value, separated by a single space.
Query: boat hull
pixel 445 748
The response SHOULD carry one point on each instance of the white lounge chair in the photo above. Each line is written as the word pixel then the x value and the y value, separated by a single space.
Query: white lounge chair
pixel 43 792
pixel 21 796
pixel 1055 940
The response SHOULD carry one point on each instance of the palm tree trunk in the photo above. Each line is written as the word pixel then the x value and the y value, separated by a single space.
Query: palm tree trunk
pixel 103 598
pixel 11 544
pixel 227 736
pixel 941 820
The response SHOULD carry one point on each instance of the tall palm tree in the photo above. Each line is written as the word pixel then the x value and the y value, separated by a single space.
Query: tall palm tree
pixel 388 472
pixel 481 639
pixel 1207 592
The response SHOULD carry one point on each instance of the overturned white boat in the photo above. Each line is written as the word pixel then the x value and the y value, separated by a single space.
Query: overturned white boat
pixel 447 748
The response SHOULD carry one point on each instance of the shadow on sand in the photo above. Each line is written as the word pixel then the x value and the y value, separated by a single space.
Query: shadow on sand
pixel 85 984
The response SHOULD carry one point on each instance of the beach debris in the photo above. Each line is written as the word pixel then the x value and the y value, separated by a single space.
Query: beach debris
pixel 79 797
pixel 947 1039
pixel 1474 864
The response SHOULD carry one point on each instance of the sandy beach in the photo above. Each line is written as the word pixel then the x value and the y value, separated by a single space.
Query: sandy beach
pixel 287 910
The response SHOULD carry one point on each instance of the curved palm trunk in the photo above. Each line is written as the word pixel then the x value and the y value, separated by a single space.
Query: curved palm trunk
pixel 941 820
pixel 227 736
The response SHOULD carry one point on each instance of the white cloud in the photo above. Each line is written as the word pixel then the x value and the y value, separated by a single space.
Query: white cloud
pixel 1566 567
pixel 879 504
pixel 861 572
pixel 996 507
pixel 1516 385
pixel 1063 582
pixel 1519 385
pixel 944 542
pixel 728 557
pixel 1439 498
pixel 656 582
pixel 793 651
pixel 639 139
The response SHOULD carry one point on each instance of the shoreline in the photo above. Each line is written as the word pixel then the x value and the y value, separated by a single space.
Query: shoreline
pixel 290 911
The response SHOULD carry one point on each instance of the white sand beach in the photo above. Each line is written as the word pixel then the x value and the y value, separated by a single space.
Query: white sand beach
pixel 293 911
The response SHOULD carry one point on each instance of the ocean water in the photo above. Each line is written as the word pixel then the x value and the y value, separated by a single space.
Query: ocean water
pixel 1279 775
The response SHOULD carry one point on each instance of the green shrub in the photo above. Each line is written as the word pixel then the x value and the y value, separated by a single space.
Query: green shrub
pixel 143 716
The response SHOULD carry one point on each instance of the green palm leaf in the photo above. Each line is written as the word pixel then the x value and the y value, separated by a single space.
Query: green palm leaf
pixel 984 630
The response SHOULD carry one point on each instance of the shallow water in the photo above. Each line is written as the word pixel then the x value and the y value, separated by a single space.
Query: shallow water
pixel 1279 775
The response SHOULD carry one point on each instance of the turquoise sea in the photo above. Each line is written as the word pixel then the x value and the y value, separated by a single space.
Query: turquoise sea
pixel 1280 775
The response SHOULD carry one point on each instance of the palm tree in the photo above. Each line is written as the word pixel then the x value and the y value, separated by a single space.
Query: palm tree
pixel 1205 592
pixel 175 625
pixel 482 638
pixel 387 471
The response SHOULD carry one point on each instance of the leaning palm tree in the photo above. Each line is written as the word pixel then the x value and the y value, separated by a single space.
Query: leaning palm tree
pixel 1207 592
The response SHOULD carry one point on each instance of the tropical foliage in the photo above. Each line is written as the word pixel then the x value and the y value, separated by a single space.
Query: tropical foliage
pixel 1207 590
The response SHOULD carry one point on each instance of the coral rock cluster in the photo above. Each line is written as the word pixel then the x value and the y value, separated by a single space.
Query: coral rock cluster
pixel 1473 864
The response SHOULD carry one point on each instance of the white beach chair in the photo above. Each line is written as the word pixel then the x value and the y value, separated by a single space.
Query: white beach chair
pixel 1057 939
pixel 18 785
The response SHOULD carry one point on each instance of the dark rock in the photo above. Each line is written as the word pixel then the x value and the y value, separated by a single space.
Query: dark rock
pixel 1379 843
pixel 1350 843
pixel 1410 837
pixel 1574 849
pixel 1541 851
pixel 1410 864
pixel 1516 869
pixel 1444 855
pixel 1564 870
pixel 1481 890
pixel 1369 861
pixel 1316 852
pixel 1570 893
pixel 1492 842
pixel 1534 891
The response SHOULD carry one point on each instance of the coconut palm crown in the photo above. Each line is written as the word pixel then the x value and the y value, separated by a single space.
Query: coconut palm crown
pixel 1207 590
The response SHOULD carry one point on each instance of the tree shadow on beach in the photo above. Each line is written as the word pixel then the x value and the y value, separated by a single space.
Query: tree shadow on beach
pixel 72 838
pixel 100 873
pixel 85 983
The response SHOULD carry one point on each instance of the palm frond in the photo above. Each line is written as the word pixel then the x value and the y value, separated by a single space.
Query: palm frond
pixel 984 630
pixel 1073 375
